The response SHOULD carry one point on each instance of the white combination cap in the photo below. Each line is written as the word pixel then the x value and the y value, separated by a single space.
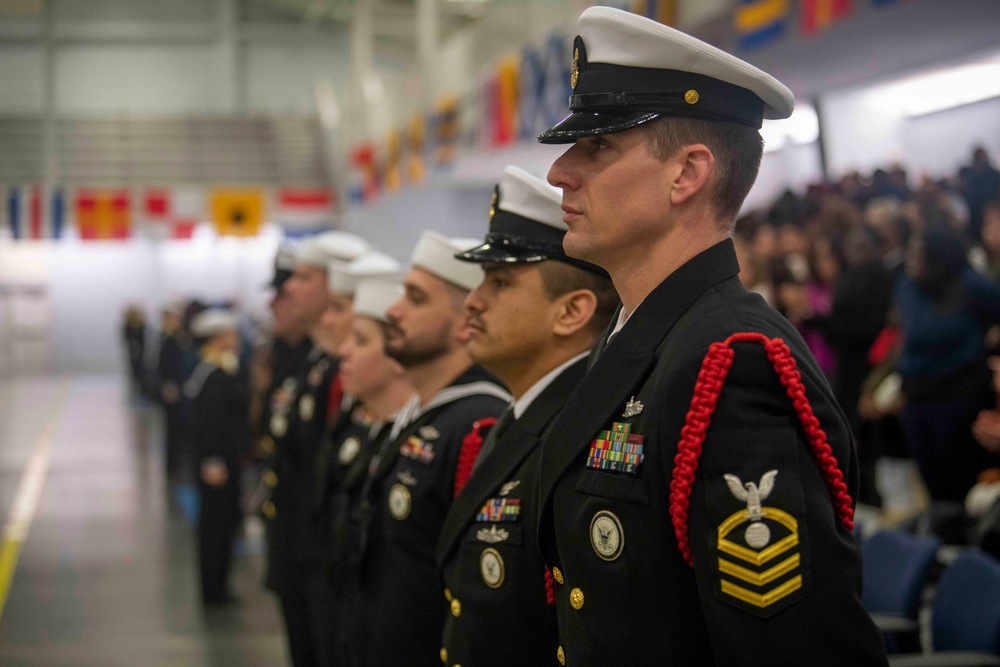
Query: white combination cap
pixel 373 297
pixel 345 276
pixel 213 321
pixel 327 247
pixel 628 70
pixel 435 253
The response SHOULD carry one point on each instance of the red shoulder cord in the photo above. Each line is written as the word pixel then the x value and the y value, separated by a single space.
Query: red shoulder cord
pixel 711 377
pixel 471 444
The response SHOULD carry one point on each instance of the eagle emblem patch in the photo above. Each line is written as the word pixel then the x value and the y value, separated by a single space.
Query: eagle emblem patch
pixel 759 550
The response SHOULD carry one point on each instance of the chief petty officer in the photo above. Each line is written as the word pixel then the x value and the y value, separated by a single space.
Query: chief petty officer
pixel 697 489
pixel 398 611
pixel 533 320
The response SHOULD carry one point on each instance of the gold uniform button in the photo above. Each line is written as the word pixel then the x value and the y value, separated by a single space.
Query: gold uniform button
pixel 456 608
pixel 447 595
pixel 271 478
pixel 576 598
pixel 444 655
pixel 267 445
pixel 561 656
pixel 691 96
pixel 558 576
pixel 269 510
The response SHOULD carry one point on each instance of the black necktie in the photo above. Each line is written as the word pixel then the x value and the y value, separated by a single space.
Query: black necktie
pixel 503 423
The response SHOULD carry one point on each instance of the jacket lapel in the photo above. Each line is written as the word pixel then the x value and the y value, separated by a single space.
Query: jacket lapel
pixel 627 360
pixel 520 440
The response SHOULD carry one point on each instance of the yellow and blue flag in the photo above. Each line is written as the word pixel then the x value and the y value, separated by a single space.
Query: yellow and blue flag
pixel 760 22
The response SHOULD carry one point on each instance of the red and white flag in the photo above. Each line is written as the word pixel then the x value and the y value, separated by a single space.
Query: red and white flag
pixel 302 211
pixel 173 213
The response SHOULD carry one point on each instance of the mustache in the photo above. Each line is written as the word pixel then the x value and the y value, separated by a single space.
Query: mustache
pixel 393 329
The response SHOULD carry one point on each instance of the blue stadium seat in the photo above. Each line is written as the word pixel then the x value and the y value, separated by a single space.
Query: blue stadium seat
pixel 965 616
pixel 895 566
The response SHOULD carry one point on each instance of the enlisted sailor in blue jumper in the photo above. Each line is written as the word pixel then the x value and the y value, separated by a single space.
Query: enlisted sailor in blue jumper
pixel 697 489
pixel 533 320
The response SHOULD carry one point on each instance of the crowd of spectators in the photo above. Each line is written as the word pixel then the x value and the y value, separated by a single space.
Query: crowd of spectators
pixel 892 281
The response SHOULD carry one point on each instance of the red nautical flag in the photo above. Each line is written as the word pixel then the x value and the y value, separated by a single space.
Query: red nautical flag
pixel 818 15
pixel 103 214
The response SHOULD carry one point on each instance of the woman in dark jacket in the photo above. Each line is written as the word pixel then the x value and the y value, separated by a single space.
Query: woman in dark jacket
pixel 944 309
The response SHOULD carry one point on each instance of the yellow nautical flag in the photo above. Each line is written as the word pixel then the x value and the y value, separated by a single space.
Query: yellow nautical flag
pixel 238 212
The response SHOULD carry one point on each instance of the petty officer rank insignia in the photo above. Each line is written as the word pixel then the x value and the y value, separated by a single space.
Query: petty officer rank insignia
pixel 617 449
pixel 760 562
pixel 500 509
pixel 759 549
pixel 418 450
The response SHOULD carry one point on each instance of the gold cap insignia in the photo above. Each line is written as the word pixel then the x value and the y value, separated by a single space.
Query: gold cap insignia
pixel 691 96
pixel 574 70
pixel 493 203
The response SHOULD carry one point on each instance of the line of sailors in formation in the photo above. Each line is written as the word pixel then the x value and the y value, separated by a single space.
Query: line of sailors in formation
pixel 450 483
pixel 384 474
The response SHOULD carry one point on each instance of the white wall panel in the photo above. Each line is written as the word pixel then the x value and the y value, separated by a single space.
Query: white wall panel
pixel 139 79
pixel 21 78
pixel 282 79
pixel 941 143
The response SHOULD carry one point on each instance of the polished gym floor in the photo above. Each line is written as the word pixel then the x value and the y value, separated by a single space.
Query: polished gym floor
pixel 98 561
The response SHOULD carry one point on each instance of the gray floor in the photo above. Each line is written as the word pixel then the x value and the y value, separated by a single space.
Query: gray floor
pixel 107 572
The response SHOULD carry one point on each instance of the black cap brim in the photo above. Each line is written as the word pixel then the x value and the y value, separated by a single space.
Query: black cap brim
pixel 510 251
pixel 592 124
pixel 502 252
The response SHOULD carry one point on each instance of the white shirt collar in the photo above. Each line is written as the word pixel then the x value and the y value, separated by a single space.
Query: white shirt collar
pixel 529 396
pixel 622 319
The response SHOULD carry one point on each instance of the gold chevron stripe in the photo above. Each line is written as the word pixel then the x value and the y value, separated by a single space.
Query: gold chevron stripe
pixel 759 557
pixel 762 578
pixel 765 600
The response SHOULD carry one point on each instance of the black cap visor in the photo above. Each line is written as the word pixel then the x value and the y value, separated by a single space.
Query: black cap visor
pixel 591 124
pixel 504 249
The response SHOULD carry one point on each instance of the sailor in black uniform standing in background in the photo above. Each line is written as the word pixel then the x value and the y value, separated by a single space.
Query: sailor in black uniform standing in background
pixel 220 435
